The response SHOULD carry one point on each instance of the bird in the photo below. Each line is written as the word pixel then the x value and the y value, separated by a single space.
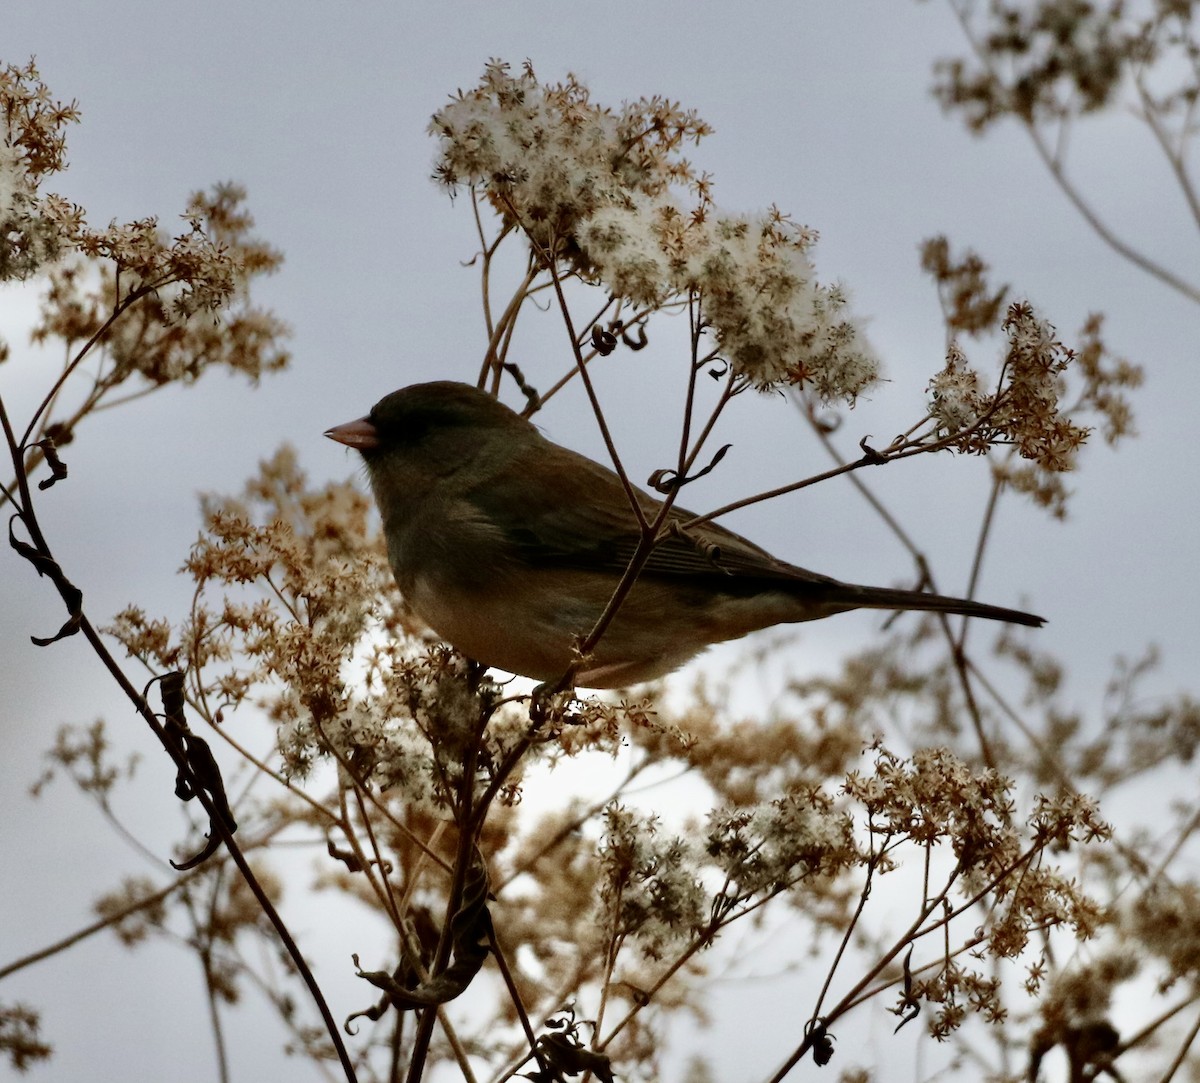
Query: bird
pixel 509 547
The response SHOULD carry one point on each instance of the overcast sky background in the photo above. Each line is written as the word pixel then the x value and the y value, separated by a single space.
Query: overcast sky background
pixel 321 111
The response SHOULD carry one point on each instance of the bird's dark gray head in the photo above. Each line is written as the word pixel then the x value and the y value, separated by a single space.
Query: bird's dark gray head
pixel 414 415
pixel 426 449
pixel 430 418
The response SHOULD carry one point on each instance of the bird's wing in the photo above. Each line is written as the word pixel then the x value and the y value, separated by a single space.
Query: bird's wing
pixel 580 517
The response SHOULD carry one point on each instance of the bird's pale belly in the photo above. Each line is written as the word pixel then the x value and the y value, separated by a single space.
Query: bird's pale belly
pixel 504 629
pixel 534 632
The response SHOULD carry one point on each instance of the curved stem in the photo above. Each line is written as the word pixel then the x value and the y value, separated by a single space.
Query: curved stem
pixel 29 518
pixel 1055 167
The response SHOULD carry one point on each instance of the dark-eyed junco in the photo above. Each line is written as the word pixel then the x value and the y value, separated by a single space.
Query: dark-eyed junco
pixel 510 546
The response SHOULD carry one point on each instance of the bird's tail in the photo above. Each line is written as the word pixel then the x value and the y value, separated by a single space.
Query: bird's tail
pixel 889 598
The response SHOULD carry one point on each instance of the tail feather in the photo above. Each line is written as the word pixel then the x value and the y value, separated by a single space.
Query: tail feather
pixel 889 598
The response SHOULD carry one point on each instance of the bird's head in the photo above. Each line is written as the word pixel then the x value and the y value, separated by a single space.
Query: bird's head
pixel 424 433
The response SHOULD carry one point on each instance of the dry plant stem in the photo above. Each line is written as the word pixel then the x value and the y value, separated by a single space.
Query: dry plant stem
pixel 940 900
pixel 383 810
pixel 382 892
pixel 456 1047
pixel 486 252
pixel 1134 855
pixel 498 357
pixel 892 523
pixel 134 842
pixel 637 562
pixel 686 428
pixel 202 709
pixel 853 996
pixel 1168 859
pixel 706 936
pixel 389 895
pixel 862 990
pixel 504 326
pixel 967 946
pixel 34 456
pixel 94 403
pixel 1140 1036
pixel 851 925
pixel 613 944
pixel 569 984
pixel 205 949
pixel 513 992
pixel 963 672
pixel 958 643
pixel 1174 156
pixel 588 325
pixel 118 309
pixel 981 542
pixel 638 319
pixel 469 819
pixel 1054 165
pixel 727 393
pixel 1003 1051
pixel 124 400
pixel 501 356
pixel 903 448
pixel 117 916
pixel 409 945
pixel 1102 230
pixel 29 519
pixel 694 330
pixel 268 987
pixel 593 398
pixel 231 845
pixel 414 876
pixel 396 1045
pixel 264 769
pixel 649 531
pixel 1048 756
pixel 688 459
pixel 878 459
pixel 1180 1056
pixel 545 396
pixel 521 1054
pixel 112 919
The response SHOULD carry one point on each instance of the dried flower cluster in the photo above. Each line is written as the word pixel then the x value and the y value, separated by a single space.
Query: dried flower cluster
pixel 1025 410
pixel 1043 393
pixel 1052 59
pixel 293 611
pixel 202 269
pixel 410 765
pixel 312 576
pixel 549 158
pixel 595 193
pixel 32 145
pixel 20 1037
pixel 160 308
pixel 210 267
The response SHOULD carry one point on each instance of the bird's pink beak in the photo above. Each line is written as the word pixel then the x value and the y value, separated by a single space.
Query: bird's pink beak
pixel 360 434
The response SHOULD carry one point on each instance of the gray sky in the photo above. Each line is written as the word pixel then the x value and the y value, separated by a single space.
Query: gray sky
pixel 822 108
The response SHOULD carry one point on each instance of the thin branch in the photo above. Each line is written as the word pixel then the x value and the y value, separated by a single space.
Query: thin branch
pixel 1089 214
pixel 217 821
pixel 115 918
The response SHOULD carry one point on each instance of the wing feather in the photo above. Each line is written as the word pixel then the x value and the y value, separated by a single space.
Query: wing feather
pixel 584 521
